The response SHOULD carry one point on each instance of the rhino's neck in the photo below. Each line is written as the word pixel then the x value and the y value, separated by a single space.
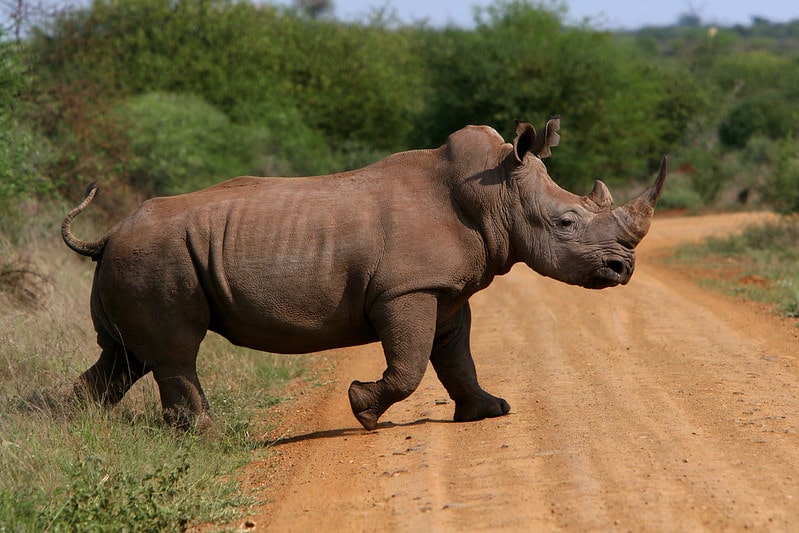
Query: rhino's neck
pixel 500 256
pixel 482 197
pixel 475 161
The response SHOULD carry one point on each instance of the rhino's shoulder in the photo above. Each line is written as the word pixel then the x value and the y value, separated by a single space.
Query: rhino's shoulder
pixel 473 142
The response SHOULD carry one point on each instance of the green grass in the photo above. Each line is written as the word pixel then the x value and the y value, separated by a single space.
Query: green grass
pixel 761 263
pixel 121 469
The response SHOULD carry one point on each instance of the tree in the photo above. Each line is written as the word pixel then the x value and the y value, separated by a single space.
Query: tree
pixel 315 8
pixel 20 150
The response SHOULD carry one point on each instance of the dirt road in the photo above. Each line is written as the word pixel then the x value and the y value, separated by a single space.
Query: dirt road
pixel 658 406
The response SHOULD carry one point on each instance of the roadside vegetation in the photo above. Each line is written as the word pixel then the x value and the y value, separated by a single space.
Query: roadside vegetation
pixel 153 97
pixel 758 264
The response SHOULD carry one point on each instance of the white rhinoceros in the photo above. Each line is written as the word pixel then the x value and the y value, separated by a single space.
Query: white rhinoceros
pixel 391 252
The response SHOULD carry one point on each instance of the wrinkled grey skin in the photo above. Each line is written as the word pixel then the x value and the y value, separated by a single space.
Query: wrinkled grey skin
pixel 390 252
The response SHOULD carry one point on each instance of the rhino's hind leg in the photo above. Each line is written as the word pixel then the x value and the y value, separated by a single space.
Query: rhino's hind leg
pixel 406 328
pixel 452 360
pixel 107 381
pixel 182 397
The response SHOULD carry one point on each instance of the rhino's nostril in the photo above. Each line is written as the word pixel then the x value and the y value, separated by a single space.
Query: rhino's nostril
pixel 616 266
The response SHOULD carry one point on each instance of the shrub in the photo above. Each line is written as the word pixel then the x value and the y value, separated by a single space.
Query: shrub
pixel 522 61
pixel 782 184
pixel 353 83
pixel 679 194
pixel 769 115
pixel 704 170
pixel 293 147
pixel 20 151
pixel 181 143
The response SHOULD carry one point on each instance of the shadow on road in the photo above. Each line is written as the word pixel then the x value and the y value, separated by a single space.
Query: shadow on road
pixel 344 432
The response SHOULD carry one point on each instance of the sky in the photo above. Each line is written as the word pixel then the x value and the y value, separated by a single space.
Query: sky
pixel 604 14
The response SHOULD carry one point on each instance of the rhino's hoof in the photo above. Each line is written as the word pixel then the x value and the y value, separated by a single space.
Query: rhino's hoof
pixel 361 404
pixel 480 407
pixel 367 419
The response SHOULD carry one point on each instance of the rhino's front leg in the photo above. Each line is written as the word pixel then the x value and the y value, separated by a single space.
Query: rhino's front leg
pixel 406 327
pixel 453 363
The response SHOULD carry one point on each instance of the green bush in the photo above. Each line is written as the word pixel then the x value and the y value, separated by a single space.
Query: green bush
pixel 352 83
pixel 769 115
pixel 181 143
pixel 522 61
pixel 322 95
pixel 751 73
pixel 782 184
pixel 680 193
pixel 20 149
pixel 157 498
pixel 706 173
pixel 293 146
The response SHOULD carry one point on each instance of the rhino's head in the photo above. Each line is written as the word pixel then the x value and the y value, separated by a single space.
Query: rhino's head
pixel 581 240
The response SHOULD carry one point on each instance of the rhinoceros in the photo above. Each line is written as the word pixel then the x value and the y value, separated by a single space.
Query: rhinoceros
pixel 391 252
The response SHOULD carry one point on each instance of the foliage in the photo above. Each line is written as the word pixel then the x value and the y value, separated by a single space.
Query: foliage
pixel 522 62
pixel 765 114
pixel 20 151
pixel 161 483
pixel 680 194
pixel 181 143
pixel 782 184
pixel 159 499
pixel 235 54
pixel 754 73
pixel 309 95
pixel 703 166
pixel 767 252
pixel 88 141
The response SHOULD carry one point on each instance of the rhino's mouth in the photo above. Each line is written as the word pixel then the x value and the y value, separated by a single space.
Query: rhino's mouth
pixel 612 272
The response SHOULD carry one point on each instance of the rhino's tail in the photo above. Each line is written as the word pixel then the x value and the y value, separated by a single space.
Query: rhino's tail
pixel 92 249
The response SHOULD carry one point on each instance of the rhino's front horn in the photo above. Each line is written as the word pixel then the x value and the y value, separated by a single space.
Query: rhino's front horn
pixel 636 216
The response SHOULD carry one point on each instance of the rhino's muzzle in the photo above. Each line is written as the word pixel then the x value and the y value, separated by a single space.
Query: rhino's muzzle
pixel 613 271
pixel 619 269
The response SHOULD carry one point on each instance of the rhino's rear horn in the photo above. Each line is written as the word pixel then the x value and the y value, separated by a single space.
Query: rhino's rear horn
pixel 600 195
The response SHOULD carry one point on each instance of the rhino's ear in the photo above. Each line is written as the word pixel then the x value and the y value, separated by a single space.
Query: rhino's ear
pixel 525 139
pixel 547 139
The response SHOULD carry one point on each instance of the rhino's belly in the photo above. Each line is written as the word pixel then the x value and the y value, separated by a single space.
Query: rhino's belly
pixel 293 338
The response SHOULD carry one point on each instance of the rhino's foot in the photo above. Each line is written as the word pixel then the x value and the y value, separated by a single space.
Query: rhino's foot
pixel 480 406
pixel 363 404
pixel 184 419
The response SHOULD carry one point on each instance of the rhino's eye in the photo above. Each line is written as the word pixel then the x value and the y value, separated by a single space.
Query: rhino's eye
pixel 567 222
